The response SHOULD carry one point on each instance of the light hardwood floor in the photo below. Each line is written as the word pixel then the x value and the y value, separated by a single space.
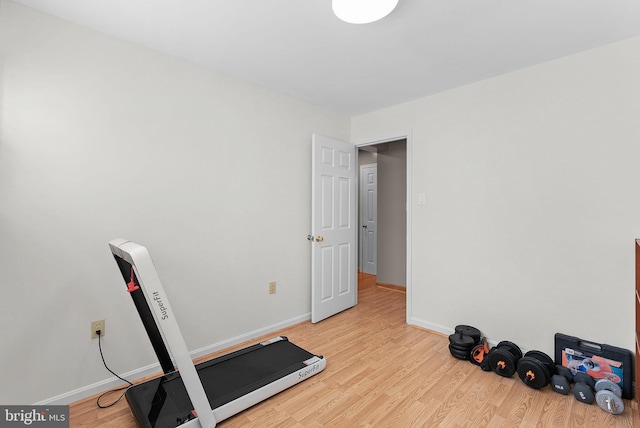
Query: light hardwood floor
pixel 382 372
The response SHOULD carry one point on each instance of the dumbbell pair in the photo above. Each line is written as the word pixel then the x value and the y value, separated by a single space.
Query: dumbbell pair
pixel 505 359
pixel 608 394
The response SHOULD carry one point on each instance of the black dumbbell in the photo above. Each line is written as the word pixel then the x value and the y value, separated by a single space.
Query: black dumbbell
pixel 503 358
pixel 468 330
pixel 460 345
pixel 535 369
pixel 561 380
pixel 485 365
pixel 609 396
pixel 479 354
pixel 463 340
pixel 583 388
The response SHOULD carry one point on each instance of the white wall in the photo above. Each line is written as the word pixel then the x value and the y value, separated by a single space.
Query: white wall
pixel 102 139
pixel 531 181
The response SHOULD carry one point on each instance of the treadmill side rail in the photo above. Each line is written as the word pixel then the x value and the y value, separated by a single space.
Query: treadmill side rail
pixel 254 397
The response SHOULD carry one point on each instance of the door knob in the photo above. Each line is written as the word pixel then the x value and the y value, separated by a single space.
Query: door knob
pixel 364 225
pixel 319 238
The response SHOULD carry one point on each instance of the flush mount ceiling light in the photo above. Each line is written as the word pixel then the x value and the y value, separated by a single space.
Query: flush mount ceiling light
pixel 362 11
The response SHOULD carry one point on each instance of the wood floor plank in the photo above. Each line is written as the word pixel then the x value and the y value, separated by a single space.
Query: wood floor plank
pixel 382 372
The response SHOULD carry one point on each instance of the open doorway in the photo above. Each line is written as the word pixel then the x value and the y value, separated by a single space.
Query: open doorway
pixel 382 253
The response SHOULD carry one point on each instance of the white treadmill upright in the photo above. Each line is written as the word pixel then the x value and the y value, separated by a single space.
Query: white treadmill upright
pixel 139 258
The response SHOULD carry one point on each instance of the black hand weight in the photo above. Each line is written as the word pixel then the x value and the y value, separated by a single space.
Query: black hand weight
pixel 460 345
pixel 561 380
pixel 504 357
pixel 463 340
pixel 583 389
pixel 535 369
pixel 468 330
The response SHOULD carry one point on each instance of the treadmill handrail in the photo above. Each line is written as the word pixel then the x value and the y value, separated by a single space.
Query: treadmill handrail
pixel 158 302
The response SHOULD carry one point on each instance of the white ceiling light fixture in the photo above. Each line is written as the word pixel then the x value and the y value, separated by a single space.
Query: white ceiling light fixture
pixel 362 11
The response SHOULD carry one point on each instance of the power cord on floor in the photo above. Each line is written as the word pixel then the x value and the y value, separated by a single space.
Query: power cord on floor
pixel 124 388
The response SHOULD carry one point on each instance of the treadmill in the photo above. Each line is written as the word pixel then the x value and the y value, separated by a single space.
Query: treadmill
pixel 194 396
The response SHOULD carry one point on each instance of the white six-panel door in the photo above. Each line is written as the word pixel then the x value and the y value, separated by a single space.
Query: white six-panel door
pixel 369 217
pixel 334 234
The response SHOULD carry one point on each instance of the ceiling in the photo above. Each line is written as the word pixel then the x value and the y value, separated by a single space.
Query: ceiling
pixel 298 47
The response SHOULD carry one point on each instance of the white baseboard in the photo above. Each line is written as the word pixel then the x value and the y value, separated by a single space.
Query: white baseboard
pixel 431 326
pixel 444 330
pixel 248 336
pixel 112 383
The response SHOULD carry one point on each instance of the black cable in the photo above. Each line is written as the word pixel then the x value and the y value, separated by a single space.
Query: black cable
pixel 113 373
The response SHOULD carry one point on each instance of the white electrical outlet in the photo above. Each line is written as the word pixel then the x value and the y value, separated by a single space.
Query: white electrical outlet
pixel 95 326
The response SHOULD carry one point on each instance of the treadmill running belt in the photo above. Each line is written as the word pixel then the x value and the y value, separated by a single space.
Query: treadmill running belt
pixel 159 402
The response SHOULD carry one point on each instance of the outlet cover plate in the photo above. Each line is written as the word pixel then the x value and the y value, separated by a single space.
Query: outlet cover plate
pixel 97 325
